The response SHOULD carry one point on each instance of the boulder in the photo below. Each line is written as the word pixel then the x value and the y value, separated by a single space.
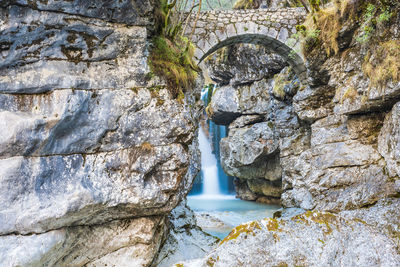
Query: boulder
pixel 313 238
pixel 185 240
pixel 250 152
pixel 119 243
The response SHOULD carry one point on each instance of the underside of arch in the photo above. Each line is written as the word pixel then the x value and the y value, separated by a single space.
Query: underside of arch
pixel 286 52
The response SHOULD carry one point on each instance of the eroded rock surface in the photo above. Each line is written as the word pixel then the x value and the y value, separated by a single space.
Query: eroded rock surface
pixel 119 243
pixel 333 144
pixel 314 238
pixel 185 240
pixel 93 156
pixel 259 114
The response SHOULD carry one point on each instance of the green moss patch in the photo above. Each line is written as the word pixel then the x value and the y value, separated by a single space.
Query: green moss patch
pixel 172 60
pixel 171 55
pixel 323 26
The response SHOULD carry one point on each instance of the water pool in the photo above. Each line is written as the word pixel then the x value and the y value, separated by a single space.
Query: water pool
pixel 218 215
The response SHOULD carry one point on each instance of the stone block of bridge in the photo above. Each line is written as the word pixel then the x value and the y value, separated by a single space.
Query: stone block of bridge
pixel 274 28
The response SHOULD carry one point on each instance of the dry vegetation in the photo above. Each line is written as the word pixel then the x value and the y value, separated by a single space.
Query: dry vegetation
pixel 382 63
pixel 371 18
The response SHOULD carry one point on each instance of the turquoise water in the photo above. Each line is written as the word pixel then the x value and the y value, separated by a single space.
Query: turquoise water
pixel 217 210
pixel 224 213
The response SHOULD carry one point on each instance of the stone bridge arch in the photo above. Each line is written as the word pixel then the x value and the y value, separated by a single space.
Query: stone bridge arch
pixel 272 28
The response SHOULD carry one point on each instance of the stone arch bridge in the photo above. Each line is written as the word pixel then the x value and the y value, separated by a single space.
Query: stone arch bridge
pixel 270 27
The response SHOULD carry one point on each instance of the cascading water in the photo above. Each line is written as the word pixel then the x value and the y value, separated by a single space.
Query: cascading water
pixel 208 166
pixel 212 194
pixel 213 182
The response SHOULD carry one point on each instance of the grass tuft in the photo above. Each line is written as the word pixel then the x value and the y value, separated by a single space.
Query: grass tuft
pixel 171 55
pixel 173 61
pixel 382 63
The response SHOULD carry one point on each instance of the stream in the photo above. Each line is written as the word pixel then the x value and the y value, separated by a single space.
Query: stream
pixel 213 197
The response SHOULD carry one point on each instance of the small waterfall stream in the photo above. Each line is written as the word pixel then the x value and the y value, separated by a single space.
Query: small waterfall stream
pixel 212 196
pixel 209 167
pixel 212 182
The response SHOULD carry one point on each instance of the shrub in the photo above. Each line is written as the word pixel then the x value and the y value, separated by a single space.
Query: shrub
pixel 173 61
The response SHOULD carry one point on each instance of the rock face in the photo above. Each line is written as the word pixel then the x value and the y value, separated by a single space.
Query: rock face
pixel 332 149
pixel 186 240
pixel 313 239
pixel 260 116
pixel 93 156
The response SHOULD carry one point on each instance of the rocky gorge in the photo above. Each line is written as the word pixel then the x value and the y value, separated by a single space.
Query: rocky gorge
pixel 97 154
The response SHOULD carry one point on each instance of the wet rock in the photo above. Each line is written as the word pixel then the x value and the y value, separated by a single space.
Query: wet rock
pixel 211 222
pixel 243 191
pixel 265 188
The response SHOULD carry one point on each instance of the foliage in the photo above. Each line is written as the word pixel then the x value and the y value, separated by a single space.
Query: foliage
pixel 313 5
pixel 171 55
pixel 382 63
pixel 210 90
pixel 374 14
pixel 280 82
pixel 173 61
pixel 322 27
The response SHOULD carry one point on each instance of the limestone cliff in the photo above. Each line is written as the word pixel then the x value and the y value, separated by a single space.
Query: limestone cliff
pixel 94 151
pixel 330 141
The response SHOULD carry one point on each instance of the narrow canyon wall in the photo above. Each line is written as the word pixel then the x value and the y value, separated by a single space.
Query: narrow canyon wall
pixel 94 153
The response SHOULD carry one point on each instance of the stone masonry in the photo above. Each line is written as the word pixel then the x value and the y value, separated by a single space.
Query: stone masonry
pixel 273 28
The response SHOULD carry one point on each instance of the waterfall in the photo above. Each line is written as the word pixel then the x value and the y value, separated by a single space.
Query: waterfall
pixel 209 167
pixel 212 182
